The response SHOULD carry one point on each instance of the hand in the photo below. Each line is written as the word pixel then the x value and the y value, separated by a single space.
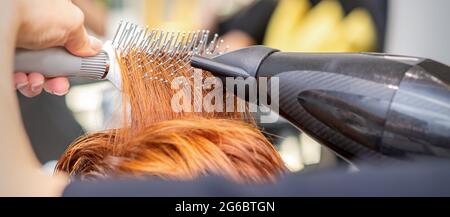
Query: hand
pixel 50 23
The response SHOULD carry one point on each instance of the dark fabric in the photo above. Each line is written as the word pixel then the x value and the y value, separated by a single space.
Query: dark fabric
pixel 254 19
pixel 415 179
pixel 50 125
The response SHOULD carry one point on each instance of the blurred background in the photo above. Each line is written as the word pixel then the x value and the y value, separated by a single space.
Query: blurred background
pixel 407 27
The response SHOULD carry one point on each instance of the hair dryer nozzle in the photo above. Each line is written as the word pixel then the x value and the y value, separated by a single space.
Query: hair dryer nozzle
pixel 244 62
pixel 217 68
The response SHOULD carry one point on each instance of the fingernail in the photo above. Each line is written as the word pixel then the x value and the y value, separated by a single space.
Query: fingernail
pixel 59 93
pixel 21 85
pixel 95 43
pixel 35 87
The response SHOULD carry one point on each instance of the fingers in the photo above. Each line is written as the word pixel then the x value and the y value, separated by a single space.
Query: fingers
pixel 78 41
pixel 30 85
pixel 57 86
pixel 20 80
pixel 80 44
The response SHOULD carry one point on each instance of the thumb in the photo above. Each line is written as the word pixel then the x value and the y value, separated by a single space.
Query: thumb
pixel 80 44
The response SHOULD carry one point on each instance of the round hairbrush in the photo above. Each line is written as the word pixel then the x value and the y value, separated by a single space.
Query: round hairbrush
pixel 128 38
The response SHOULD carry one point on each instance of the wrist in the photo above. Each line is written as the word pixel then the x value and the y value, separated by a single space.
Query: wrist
pixel 19 167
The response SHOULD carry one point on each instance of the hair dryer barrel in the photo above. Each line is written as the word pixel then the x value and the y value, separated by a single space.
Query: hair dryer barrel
pixel 363 105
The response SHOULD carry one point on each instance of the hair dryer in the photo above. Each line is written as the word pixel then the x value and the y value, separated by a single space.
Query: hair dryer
pixel 365 106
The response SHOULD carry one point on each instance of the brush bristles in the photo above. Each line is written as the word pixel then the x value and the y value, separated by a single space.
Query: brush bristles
pixel 162 54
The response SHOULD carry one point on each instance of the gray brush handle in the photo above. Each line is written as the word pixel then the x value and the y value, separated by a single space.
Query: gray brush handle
pixel 58 62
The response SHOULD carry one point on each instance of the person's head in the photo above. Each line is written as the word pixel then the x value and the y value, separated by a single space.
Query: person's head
pixel 157 141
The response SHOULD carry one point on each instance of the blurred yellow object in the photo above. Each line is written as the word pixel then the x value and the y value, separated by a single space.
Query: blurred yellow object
pixel 360 31
pixel 296 26
pixel 284 22
pixel 171 15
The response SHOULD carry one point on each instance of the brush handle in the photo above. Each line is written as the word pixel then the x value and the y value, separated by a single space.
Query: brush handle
pixel 58 62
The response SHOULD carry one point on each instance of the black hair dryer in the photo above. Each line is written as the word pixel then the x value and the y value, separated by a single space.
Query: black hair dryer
pixel 367 107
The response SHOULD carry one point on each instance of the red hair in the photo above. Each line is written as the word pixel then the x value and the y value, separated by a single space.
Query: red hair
pixel 156 141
